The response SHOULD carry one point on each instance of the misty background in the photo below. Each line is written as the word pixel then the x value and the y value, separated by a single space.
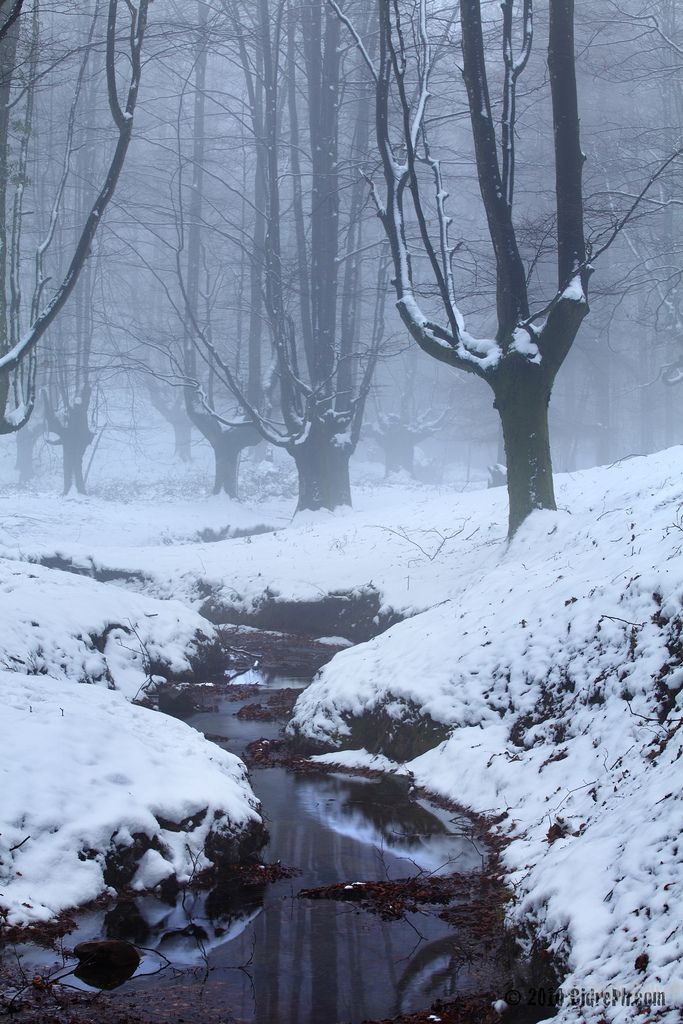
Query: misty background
pixel 131 383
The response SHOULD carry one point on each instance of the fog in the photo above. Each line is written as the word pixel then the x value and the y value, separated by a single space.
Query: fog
pixel 235 306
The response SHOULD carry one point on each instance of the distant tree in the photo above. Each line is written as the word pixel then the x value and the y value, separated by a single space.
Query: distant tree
pixel 170 403
pixel 27 438
pixel 228 435
pixel 312 245
pixel 17 347
pixel 400 430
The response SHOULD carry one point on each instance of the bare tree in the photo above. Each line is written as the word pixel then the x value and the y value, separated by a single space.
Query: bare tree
pixel 412 420
pixel 521 362
pixel 9 14
pixel 228 436
pixel 323 373
pixel 17 384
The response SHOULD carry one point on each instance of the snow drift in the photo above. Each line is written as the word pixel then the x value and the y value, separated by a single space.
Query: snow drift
pixel 557 671
pixel 98 792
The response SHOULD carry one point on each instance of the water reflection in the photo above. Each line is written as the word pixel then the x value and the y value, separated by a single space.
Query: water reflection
pixel 190 928
pixel 266 956
pixel 384 815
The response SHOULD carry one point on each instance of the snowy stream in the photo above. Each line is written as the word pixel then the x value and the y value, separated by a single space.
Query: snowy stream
pixel 264 955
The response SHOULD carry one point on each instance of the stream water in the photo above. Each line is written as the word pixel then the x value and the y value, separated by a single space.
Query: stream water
pixel 262 954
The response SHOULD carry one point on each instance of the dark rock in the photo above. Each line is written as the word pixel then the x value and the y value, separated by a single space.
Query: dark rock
pixel 168 890
pixel 176 701
pixel 106 963
pixel 188 824
pixel 401 739
pixel 224 846
pixel 121 862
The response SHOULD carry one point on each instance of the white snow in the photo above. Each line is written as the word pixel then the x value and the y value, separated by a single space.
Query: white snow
pixel 574 291
pixel 542 655
pixel 29 518
pixel 53 622
pixel 82 772
pixel 387 541
pixel 523 343
pixel 570 625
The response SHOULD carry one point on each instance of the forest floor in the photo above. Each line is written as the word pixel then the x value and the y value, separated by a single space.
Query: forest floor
pixel 544 676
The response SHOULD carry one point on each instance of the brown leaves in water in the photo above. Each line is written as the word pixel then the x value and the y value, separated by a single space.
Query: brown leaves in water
pixel 475 899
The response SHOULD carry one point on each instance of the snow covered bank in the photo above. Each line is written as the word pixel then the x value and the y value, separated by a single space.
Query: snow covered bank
pixel 97 792
pixel 390 556
pixel 557 667
pixel 70 627
pixel 30 520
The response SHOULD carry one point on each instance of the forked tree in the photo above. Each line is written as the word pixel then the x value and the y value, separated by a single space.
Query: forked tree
pixel 228 436
pixel 521 362
pixel 312 244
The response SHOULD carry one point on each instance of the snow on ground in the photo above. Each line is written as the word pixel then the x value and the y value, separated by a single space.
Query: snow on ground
pixel 29 520
pixel 69 627
pixel 81 769
pixel 558 661
pixel 400 540
pixel 84 772
pixel 552 659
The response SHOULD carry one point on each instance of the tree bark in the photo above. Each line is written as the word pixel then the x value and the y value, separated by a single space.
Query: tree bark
pixel 322 464
pixel 228 444
pixel 74 435
pixel 26 443
pixel 175 414
pixel 522 399
pixel 182 434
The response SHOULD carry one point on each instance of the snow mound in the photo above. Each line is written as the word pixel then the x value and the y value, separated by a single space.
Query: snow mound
pixel 71 627
pixel 398 544
pixel 557 666
pixel 31 520
pixel 98 792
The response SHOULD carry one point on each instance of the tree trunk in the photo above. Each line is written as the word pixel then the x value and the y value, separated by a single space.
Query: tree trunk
pixel 26 443
pixel 603 404
pixel 522 398
pixel 647 408
pixel 75 440
pixel 227 458
pixel 228 445
pixel 175 414
pixel 73 434
pixel 72 458
pixel 182 433
pixel 322 463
